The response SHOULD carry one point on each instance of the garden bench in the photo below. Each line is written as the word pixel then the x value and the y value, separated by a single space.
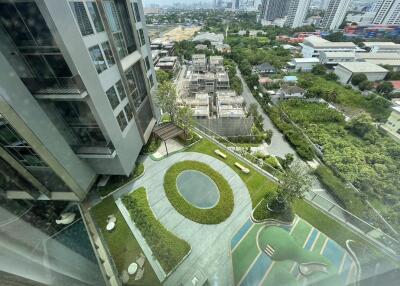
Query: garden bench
pixel 219 153
pixel 242 168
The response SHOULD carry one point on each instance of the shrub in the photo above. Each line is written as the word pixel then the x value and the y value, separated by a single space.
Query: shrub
pixel 214 215
pixel 167 248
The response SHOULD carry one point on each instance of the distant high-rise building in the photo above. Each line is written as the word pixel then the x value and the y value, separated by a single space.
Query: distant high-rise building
pixel 388 12
pixel 334 14
pixel 274 9
pixel 323 4
pixel 75 100
pixel 297 12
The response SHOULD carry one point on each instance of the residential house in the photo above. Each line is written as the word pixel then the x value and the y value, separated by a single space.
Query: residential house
pixel 264 69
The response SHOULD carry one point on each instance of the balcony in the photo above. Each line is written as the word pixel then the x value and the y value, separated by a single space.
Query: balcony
pixel 56 88
pixel 95 152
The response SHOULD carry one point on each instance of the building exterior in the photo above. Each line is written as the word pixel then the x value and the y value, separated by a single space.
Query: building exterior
pixel 230 105
pixel 264 69
pixel 388 12
pixel 169 64
pixel 272 10
pixel 383 59
pixel 297 12
pixel 334 14
pixel 392 126
pixel 382 47
pixel 372 31
pixel 75 100
pixel 303 64
pixel 333 58
pixel 216 64
pixel 199 63
pixel 345 71
pixel 313 46
pixel 290 92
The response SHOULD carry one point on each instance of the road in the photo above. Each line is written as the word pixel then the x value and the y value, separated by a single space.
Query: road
pixel 279 146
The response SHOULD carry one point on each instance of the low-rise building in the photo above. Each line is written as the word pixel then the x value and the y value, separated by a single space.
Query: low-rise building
pixel 303 64
pixel 222 80
pixel 207 36
pixel 201 47
pixel 229 105
pixel 396 85
pixel 216 63
pixel 199 63
pixel 333 58
pixel 373 72
pixel 199 104
pixel 223 48
pixel 290 79
pixel 392 126
pixel 382 47
pixel 202 82
pixel 290 91
pixel 314 45
pixel 264 69
pixel 382 59
pixel 170 64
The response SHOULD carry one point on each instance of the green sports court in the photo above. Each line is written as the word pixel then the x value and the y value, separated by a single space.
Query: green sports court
pixel 271 255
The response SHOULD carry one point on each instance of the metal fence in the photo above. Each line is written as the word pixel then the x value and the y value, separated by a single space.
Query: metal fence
pixel 376 236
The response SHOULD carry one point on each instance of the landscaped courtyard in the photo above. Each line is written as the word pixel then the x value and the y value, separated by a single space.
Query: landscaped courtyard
pixel 181 230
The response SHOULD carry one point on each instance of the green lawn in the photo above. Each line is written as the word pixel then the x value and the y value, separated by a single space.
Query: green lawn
pixel 122 245
pixel 167 248
pixel 257 184
pixel 214 215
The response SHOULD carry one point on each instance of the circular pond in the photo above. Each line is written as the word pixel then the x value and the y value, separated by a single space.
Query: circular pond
pixel 198 189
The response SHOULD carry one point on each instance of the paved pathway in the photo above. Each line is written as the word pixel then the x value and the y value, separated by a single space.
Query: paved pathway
pixel 210 243
pixel 279 146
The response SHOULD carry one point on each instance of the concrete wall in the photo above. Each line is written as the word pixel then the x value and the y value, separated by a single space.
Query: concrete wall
pixel 227 126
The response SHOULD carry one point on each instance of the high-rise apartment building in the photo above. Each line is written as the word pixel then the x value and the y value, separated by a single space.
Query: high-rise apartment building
pixel 334 14
pixel 388 12
pixel 75 97
pixel 274 9
pixel 297 12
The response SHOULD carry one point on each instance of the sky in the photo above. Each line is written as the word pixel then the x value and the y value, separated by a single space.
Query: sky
pixel 169 2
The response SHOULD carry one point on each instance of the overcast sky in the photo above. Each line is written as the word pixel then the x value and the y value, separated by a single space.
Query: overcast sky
pixel 163 2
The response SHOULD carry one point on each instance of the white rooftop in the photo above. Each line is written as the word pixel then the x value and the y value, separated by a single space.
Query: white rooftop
pixel 362 67
pixel 306 60
pixel 318 42
pixel 378 55
pixel 377 44
pixel 384 62
pixel 396 108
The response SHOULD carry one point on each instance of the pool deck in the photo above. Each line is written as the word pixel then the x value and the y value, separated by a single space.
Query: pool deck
pixel 210 243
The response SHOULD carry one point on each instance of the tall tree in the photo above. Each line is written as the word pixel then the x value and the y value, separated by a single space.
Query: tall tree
pixel 166 99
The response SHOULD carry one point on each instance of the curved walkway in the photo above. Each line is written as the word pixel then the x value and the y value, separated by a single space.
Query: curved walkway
pixel 210 243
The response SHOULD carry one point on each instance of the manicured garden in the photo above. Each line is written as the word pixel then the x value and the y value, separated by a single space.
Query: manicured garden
pixel 118 181
pixel 257 184
pixel 121 243
pixel 167 248
pixel 214 215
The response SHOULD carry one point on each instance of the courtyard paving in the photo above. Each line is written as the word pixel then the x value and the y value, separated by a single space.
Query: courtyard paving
pixel 210 243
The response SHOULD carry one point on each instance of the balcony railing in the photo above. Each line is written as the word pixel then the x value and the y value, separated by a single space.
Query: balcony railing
pixel 55 86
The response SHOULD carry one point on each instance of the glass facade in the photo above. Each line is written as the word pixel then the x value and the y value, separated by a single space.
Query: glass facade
pixel 97 58
pixel 122 122
pixel 82 18
pixel 136 84
pixel 78 116
pixel 112 97
pixel 94 14
pixel 108 53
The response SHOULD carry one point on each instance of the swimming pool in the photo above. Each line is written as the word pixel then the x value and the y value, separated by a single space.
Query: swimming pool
pixel 198 189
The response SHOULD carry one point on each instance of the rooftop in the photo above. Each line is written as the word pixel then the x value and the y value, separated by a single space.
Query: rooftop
pixel 378 55
pixel 339 54
pixel 207 36
pixel 305 60
pixel 318 42
pixel 290 78
pixel 360 67
pixel 384 62
pixel 395 83
pixel 379 44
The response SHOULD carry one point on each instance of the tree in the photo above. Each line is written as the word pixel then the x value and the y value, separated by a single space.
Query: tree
pixel 163 76
pixel 358 78
pixel 360 124
pixel 287 161
pixel 185 117
pixel 385 87
pixel 319 69
pixel 294 183
pixel 331 76
pixel 253 110
pixel 166 99
pixel 365 85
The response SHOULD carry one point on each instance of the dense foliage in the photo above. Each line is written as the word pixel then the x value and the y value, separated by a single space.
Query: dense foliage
pixel 166 247
pixel 357 150
pixel 214 215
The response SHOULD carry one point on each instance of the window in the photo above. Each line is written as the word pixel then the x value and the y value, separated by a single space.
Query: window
pixel 112 97
pixel 151 80
pixel 97 58
pixel 137 13
pixel 120 45
pixel 94 14
pixel 58 65
pixel 128 111
pixel 39 66
pixel 112 16
pixel 108 53
pixel 136 84
pixel 147 61
pixel 122 120
pixel 82 18
pixel 142 38
pixel 121 91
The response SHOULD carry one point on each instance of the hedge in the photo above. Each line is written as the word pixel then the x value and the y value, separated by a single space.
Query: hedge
pixel 214 215
pixel 166 247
